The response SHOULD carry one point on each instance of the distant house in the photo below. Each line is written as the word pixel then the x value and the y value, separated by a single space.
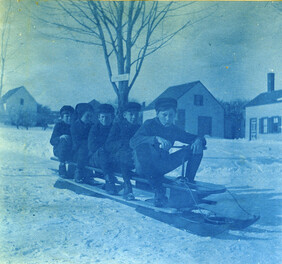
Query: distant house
pixel 20 107
pixel 198 111
pixel 263 114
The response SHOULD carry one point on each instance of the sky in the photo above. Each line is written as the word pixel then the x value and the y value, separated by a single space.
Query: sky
pixel 230 52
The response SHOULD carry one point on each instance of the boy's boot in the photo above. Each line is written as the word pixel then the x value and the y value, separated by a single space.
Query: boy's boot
pixel 192 167
pixel 78 175
pixel 89 178
pixel 70 171
pixel 110 185
pixel 127 193
pixel 62 170
pixel 160 199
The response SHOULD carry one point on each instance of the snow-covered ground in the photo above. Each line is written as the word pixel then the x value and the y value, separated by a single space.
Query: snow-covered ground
pixel 42 224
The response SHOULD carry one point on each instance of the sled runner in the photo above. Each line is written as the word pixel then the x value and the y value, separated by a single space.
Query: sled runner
pixel 189 206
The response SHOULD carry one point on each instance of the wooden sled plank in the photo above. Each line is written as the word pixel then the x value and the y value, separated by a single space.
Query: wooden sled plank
pixel 200 186
pixel 203 188
pixel 181 217
pixel 139 201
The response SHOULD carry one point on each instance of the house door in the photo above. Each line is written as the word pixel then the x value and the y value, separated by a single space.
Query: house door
pixel 180 121
pixel 253 128
pixel 204 125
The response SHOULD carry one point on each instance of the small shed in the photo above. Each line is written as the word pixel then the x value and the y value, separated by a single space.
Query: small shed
pixel 198 110
pixel 263 114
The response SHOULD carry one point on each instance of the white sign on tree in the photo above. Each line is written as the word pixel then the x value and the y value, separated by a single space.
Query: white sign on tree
pixel 120 77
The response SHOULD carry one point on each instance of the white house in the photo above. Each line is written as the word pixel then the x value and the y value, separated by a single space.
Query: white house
pixel 198 111
pixel 263 114
pixel 20 106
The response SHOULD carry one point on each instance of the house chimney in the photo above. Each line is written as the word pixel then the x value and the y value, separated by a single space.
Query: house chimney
pixel 270 82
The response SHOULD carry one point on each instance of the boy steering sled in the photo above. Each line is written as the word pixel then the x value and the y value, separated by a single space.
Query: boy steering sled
pixel 151 145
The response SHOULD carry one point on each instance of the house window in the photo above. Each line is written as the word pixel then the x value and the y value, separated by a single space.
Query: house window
pixel 253 128
pixel 276 124
pixel 264 131
pixel 263 125
pixel 22 101
pixel 198 100
pixel 270 125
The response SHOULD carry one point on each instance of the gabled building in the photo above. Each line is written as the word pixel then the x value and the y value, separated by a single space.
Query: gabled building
pixel 198 110
pixel 19 105
pixel 263 114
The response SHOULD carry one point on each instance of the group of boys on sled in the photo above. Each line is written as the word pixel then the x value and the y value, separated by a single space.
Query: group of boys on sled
pixel 122 144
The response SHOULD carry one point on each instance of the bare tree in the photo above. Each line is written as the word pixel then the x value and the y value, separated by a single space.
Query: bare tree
pixel 234 114
pixel 4 40
pixel 127 32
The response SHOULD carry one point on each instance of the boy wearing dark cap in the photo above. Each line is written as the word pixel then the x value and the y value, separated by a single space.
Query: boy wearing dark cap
pixel 61 139
pixel 79 132
pixel 152 143
pixel 117 144
pixel 98 157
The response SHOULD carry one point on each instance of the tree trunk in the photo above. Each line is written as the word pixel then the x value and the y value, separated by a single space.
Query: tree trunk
pixel 122 97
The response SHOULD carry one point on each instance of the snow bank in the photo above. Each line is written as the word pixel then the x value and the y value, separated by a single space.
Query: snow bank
pixel 42 224
pixel 33 141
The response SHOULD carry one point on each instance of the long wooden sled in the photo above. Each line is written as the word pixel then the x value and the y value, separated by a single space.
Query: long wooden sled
pixel 189 206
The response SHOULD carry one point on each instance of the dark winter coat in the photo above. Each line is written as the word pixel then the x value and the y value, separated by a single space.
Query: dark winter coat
pixel 152 128
pixel 120 135
pixel 79 133
pixel 61 128
pixel 97 137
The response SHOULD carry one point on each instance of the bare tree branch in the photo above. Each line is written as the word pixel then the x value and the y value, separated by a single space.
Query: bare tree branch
pixel 75 18
pixel 105 22
pixel 128 32
pixel 83 12
pixel 104 45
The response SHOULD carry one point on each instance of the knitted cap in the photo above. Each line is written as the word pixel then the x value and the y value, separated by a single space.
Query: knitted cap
pixel 106 108
pixel 66 109
pixel 165 103
pixel 81 108
pixel 132 106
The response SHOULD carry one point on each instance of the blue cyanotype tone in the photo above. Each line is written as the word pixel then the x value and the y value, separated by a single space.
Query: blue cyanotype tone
pixel 140 132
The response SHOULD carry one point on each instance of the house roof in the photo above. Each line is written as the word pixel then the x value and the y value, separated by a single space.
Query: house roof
pixel 174 92
pixel 7 95
pixel 266 98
